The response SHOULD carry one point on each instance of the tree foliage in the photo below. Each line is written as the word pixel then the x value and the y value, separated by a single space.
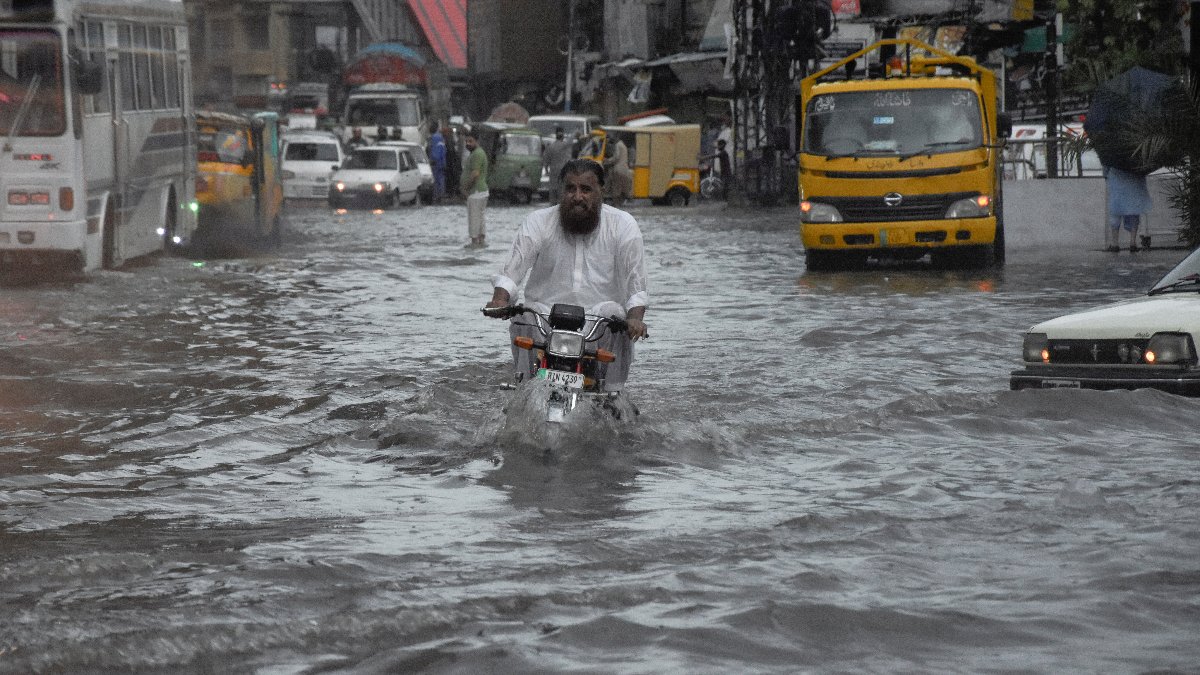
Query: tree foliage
pixel 1112 36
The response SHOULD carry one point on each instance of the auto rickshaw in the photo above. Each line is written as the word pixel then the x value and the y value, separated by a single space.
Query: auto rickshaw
pixel 239 186
pixel 664 159
pixel 514 159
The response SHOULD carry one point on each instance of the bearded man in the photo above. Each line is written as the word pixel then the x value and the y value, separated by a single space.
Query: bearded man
pixel 579 252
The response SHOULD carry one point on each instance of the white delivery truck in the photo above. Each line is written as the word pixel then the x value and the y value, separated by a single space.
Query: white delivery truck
pixel 392 108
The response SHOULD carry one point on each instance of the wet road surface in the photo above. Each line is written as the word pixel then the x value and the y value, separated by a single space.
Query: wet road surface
pixel 299 463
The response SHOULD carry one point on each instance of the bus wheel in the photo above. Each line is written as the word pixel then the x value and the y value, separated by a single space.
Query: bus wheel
pixel 678 196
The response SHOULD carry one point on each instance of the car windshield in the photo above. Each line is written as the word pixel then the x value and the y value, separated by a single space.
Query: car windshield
pixel 31 84
pixel 372 159
pixel 523 144
pixel 1185 276
pixel 894 122
pixel 301 151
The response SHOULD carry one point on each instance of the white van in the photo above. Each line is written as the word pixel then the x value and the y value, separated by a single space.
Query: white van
pixel 573 126
pixel 309 160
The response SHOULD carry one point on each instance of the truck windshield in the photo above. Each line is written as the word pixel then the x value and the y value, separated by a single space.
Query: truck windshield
pixel 893 122
pixel 384 111
pixel 31 84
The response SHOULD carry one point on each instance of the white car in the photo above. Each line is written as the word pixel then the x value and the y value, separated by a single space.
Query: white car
pixel 426 169
pixel 380 175
pixel 309 160
pixel 1145 342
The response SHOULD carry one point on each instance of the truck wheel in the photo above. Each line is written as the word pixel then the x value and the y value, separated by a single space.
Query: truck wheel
pixel 678 196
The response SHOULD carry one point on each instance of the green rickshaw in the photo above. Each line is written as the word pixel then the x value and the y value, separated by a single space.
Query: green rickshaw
pixel 514 160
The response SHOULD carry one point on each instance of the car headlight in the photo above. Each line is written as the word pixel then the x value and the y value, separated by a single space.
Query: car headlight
pixel 565 344
pixel 816 212
pixel 973 207
pixel 288 175
pixel 1036 348
pixel 1170 348
pixel 381 187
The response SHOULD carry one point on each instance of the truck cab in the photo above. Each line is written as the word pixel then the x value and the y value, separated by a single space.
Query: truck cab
pixel 397 110
pixel 905 162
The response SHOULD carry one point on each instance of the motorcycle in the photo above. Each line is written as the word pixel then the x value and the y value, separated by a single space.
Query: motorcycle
pixel 566 358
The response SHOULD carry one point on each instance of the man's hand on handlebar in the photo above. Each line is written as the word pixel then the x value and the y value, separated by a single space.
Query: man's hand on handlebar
pixel 499 301
pixel 636 329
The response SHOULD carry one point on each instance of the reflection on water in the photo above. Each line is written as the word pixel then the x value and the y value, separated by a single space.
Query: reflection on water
pixel 307 462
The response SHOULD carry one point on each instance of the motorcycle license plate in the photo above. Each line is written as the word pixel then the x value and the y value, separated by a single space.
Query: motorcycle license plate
pixel 561 378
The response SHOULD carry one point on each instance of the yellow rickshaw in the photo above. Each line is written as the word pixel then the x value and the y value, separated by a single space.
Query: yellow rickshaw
pixel 239 186
pixel 664 159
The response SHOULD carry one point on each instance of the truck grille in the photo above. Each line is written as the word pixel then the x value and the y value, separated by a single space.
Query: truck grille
pixel 911 207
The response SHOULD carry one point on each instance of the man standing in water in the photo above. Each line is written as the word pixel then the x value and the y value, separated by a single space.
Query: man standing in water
pixel 474 187
pixel 580 252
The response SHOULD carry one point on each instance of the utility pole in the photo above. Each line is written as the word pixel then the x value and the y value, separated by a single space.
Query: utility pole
pixel 570 56
pixel 1053 23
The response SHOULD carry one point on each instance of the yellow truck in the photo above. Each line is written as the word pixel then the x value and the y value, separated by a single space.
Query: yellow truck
pixel 905 162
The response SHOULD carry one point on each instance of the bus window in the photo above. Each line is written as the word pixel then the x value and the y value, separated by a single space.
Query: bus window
pixel 31 85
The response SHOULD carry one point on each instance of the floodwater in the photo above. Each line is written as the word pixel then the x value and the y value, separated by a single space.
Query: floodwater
pixel 300 463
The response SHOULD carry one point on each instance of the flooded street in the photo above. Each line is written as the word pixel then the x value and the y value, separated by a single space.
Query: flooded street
pixel 300 463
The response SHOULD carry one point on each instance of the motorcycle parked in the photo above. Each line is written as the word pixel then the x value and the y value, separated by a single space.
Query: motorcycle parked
pixel 566 357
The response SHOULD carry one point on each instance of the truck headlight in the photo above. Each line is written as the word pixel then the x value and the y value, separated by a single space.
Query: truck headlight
pixel 1036 348
pixel 816 212
pixel 973 207
pixel 1170 348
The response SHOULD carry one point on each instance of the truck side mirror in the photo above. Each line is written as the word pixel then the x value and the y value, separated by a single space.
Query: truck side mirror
pixel 1004 125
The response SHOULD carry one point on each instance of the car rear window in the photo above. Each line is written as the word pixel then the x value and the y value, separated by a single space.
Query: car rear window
pixel 302 151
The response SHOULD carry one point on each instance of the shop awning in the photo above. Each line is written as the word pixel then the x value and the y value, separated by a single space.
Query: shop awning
pixel 445 25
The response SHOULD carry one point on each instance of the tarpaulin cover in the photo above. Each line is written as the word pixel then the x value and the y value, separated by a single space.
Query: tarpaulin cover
pixel 386 62
pixel 445 25
pixel 1137 98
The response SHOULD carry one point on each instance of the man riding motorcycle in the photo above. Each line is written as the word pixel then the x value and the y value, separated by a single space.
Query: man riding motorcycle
pixel 580 252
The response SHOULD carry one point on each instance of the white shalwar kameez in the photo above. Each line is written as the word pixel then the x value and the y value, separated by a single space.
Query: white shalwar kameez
pixel 603 272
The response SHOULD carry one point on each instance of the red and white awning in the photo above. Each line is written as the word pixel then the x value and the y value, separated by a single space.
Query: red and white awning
pixel 445 26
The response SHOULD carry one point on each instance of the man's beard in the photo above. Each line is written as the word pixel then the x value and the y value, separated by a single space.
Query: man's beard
pixel 578 221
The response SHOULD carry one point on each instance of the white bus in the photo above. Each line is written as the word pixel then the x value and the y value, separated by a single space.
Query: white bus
pixel 98 164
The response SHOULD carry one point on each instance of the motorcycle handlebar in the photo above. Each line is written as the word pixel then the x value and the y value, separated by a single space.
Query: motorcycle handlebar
pixel 615 323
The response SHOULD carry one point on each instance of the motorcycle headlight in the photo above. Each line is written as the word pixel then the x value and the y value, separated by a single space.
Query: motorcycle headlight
pixel 1170 348
pixel 816 212
pixel 340 186
pixel 565 344
pixel 973 207
pixel 1036 348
